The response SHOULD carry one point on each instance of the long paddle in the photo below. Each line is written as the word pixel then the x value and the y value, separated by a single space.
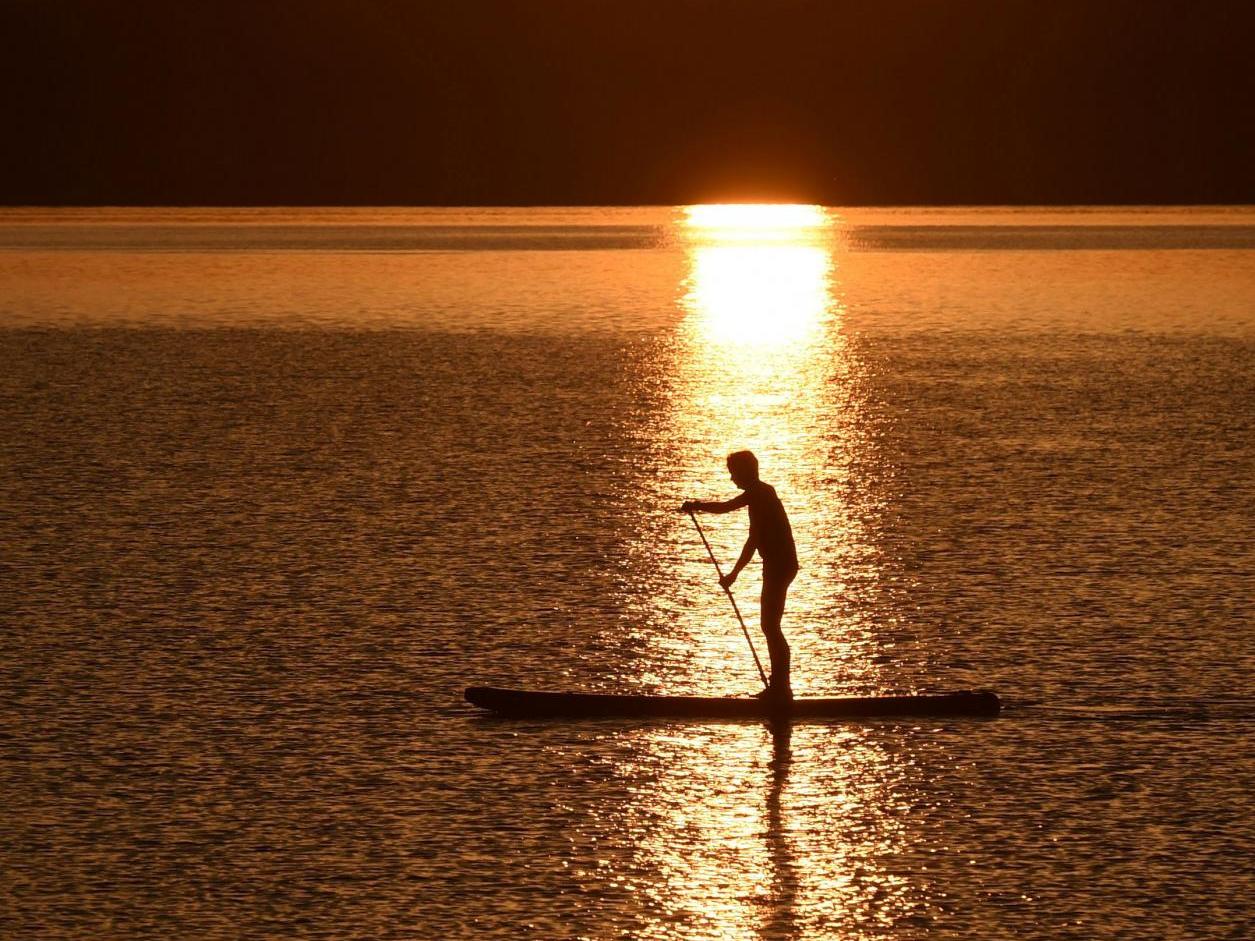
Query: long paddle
pixel 728 591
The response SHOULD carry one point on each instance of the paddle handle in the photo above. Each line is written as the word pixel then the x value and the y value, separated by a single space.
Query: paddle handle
pixel 728 591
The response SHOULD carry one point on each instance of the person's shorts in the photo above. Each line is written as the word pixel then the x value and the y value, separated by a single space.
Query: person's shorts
pixel 778 574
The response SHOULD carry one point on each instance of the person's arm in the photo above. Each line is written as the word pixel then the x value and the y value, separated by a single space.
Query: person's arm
pixel 746 554
pixel 711 506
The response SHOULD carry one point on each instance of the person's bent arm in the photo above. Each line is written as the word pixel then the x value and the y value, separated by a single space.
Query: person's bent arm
pixel 746 554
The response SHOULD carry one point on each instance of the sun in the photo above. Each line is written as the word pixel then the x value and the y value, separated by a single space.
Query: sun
pixel 756 219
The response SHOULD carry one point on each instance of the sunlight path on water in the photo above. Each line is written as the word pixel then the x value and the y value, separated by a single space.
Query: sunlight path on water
pixel 747 838
pixel 760 362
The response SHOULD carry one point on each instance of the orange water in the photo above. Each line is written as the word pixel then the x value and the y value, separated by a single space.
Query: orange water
pixel 277 485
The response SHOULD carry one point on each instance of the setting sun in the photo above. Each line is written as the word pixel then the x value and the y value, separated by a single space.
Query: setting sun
pixel 758 220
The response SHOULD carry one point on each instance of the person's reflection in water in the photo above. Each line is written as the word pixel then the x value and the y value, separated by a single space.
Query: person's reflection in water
pixel 780 923
pixel 772 537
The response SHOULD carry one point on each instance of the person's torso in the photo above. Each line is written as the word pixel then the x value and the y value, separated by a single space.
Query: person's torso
pixel 769 525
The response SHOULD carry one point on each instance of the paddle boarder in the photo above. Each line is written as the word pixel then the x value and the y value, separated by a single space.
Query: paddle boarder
pixel 771 537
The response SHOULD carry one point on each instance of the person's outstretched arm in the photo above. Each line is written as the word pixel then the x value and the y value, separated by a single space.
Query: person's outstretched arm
pixel 710 506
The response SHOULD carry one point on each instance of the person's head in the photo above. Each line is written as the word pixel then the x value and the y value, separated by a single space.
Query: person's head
pixel 743 467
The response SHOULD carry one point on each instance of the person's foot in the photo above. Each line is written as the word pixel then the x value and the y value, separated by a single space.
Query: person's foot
pixel 776 694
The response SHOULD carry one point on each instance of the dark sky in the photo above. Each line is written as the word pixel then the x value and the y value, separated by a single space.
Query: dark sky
pixel 651 101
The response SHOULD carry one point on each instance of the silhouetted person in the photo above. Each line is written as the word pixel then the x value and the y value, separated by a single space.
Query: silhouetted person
pixel 772 537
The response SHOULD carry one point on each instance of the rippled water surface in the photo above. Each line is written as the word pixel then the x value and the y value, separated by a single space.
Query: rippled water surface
pixel 276 485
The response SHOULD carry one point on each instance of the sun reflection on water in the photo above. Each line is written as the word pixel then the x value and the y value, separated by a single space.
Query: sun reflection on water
pixel 757 311
pixel 752 842
pixel 759 275
pixel 763 364
pixel 766 296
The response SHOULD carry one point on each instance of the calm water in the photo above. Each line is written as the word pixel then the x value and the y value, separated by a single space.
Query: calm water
pixel 276 485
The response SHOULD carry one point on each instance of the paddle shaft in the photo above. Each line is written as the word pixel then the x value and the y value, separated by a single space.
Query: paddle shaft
pixel 728 591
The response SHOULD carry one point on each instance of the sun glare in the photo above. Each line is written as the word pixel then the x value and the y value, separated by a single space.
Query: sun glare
pixel 760 272
pixel 764 296
pixel 756 219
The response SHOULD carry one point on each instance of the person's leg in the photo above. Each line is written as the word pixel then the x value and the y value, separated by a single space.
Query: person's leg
pixel 775 592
